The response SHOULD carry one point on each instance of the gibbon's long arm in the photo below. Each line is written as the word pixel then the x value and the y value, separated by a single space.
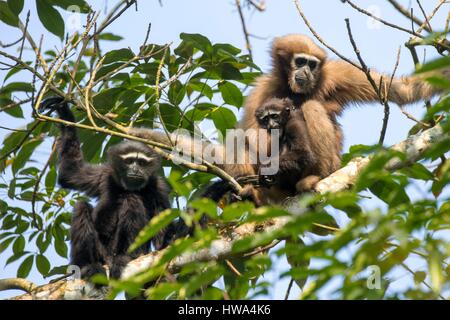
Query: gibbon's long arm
pixel 201 149
pixel 188 144
pixel 74 173
pixel 345 84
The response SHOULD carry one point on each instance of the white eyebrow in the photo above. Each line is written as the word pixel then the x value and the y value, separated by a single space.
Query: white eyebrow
pixel 307 56
pixel 136 155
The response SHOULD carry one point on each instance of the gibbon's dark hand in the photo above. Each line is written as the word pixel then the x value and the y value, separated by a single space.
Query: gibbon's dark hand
pixel 51 104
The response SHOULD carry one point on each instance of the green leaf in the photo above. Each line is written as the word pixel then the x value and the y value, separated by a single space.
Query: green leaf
pixel 204 206
pixel 110 37
pixel 50 18
pixel 390 192
pixel 200 87
pixel 181 188
pixel 170 115
pixel 295 261
pixel 82 5
pixel 41 243
pixel 419 277
pixel 61 247
pixel 197 41
pixel 12 189
pixel 17 86
pixel 5 244
pixel 25 267
pixel 231 94
pixel 229 72
pixel 50 180
pixel 19 245
pixel 223 119
pixel 7 16
pixel 15 257
pixel 434 65
pixel 24 154
pixel 15 112
pixel 418 171
pixel 59 270
pixel 176 94
pixel 156 224
pixel 225 48
pixel 436 274
pixel 43 265
pixel 236 210
pixel 106 99
pixel 124 54
pixel 16 6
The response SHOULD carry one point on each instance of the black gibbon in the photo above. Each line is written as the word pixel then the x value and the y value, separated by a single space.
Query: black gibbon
pixel 128 190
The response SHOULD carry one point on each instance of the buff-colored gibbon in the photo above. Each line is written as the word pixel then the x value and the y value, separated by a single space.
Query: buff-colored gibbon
pixel 322 88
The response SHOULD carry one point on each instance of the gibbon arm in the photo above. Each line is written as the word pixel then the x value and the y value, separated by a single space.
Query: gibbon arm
pixel 345 84
pixel 74 173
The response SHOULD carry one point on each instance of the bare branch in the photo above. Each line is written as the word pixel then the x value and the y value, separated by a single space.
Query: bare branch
pixel 244 28
pixel 319 38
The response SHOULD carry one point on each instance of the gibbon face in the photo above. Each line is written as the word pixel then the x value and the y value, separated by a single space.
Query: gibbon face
pixel 133 164
pixel 305 73
pixel 274 114
pixel 301 61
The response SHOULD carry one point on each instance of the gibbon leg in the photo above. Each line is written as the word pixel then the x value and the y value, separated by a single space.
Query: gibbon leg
pixel 85 247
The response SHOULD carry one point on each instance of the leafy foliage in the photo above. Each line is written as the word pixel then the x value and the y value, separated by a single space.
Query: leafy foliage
pixel 210 82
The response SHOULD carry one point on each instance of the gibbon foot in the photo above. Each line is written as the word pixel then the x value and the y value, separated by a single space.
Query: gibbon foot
pixel 307 184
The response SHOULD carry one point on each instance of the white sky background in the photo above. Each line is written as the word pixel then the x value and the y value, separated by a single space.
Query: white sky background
pixel 219 21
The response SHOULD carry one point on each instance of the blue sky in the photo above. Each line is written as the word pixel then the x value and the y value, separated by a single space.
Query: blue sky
pixel 219 21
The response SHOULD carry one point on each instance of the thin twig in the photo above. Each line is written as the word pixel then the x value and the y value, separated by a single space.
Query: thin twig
pixel 377 88
pixel 261 6
pixel 233 268
pixel 389 24
pixel 426 22
pixel 34 46
pixel 319 38
pixel 36 186
pixel 386 104
pixel 244 29
pixel 111 17
pixel 407 13
pixel 88 89
pixel 288 291
pixel 157 94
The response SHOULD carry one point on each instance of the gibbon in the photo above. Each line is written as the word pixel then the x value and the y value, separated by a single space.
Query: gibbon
pixel 322 88
pixel 129 191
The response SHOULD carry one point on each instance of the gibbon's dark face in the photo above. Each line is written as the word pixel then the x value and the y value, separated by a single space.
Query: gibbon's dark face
pixel 133 164
pixel 305 73
pixel 274 114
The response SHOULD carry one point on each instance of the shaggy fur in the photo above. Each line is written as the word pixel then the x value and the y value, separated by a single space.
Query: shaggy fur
pixel 338 84
pixel 102 235
pixel 296 159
